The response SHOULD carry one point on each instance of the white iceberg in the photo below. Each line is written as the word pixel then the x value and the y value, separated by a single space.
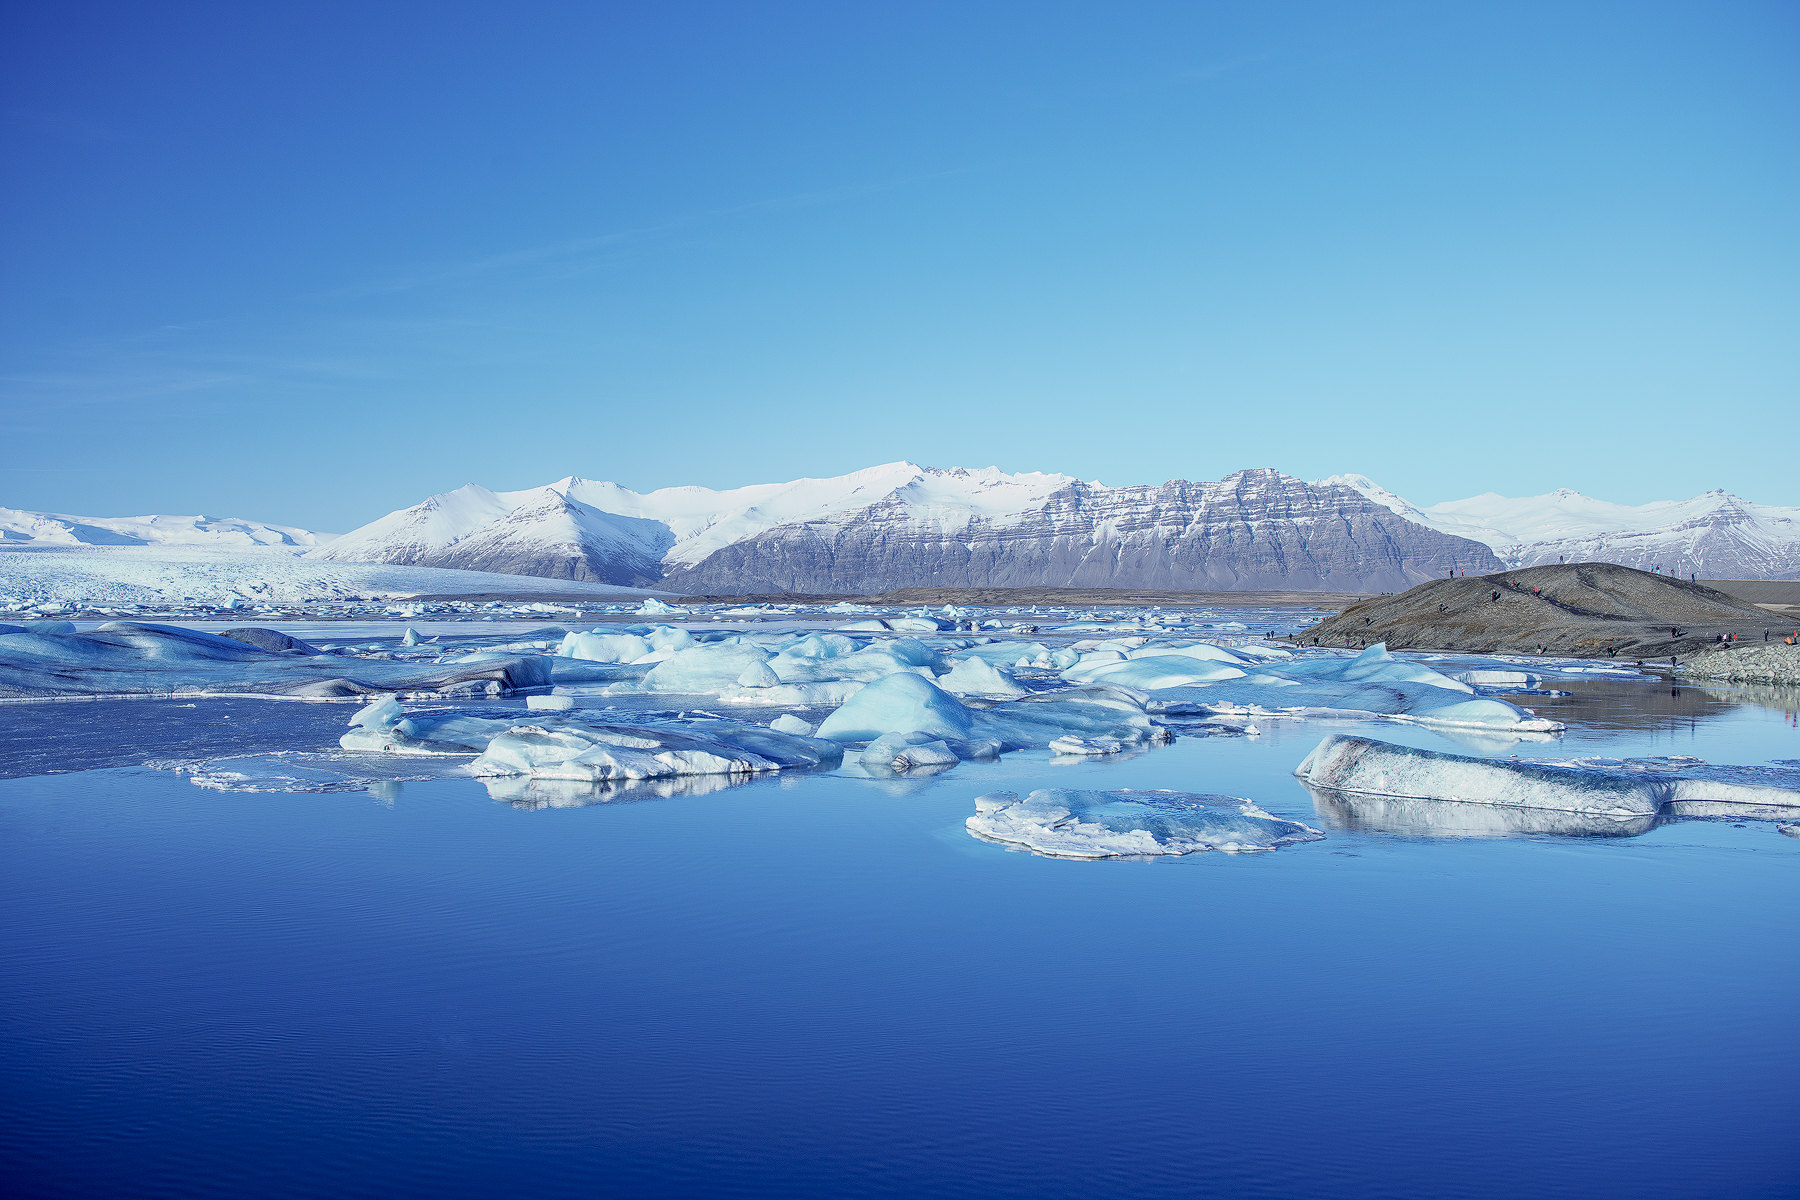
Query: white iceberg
pixel 1357 766
pixel 587 747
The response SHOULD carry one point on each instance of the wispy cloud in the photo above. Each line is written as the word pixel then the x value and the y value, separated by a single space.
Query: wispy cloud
pixel 557 254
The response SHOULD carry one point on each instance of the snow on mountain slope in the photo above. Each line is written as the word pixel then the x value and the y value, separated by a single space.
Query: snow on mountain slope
pixel 703 520
pixel 18 526
pixel 900 524
pixel 1716 535
pixel 1254 529
pixel 538 531
pixel 36 575
pixel 475 528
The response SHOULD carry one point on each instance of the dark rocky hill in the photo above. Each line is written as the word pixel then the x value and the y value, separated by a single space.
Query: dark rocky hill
pixel 1593 610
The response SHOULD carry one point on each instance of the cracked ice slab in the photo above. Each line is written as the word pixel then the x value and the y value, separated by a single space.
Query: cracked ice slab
pixel 1066 823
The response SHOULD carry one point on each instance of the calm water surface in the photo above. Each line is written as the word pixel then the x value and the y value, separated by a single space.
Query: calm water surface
pixel 821 985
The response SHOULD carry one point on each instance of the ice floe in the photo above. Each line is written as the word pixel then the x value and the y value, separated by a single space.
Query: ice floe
pixel 587 746
pixel 1065 823
pixel 1369 782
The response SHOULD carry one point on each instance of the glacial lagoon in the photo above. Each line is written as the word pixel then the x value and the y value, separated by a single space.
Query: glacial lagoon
pixel 388 976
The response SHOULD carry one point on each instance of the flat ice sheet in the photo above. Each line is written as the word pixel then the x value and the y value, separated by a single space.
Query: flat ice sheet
pixel 1070 823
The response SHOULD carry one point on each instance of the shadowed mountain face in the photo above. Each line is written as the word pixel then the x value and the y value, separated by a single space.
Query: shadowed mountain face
pixel 1586 609
pixel 1252 530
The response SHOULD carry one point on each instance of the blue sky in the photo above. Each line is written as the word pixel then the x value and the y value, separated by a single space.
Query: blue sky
pixel 308 263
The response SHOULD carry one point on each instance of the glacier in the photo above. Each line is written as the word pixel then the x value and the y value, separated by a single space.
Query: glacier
pixel 124 658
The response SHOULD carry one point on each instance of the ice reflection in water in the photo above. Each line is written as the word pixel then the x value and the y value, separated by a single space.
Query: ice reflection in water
pixel 1412 818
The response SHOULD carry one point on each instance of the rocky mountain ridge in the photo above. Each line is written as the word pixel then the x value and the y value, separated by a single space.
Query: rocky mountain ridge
pixel 900 525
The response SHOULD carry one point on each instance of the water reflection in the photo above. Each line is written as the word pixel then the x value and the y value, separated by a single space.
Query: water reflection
pixel 524 792
pixel 1477 741
pixel 1652 705
pixel 1434 819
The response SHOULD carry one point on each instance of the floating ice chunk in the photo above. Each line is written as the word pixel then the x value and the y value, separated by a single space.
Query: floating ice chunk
pixel 898 703
pixel 410 638
pixel 1064 823
pixel 1361 766
pixel 1364 766
pixel 758 675
pixel 1790 828
pixel 821 645
pixel 976 677
pixel 1479 714
pixel 49 628
pixel 604 647
pixel 907 752
pixel 1154 673
pixel 652 607
pixel 1497 678
pixel 668 637
pixel 789 723
pixel 380 714
pixel 1091 747
pixel 549 703
pixel 710 667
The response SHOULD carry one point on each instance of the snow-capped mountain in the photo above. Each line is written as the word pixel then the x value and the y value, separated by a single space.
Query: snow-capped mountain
pixel 902 525
pixel 19 527
pixel 1715 536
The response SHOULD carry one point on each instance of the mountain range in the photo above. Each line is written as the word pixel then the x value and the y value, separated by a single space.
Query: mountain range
pixel 902 525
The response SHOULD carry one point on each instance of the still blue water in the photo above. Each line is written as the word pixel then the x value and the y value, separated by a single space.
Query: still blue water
pixel 821 985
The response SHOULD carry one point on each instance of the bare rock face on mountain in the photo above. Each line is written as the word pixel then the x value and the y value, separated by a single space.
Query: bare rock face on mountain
pixel 900 526
pixel 1715 535
pixel 1255 529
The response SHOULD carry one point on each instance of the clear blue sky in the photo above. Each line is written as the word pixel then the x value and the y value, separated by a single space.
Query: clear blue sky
pixel 310 262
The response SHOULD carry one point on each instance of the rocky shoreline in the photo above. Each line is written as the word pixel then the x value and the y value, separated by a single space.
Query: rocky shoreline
pixel 1773 662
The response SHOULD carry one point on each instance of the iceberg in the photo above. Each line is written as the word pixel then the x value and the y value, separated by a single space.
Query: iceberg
pixel 604 647
pixel 586 747
pixel 907 703
pixel 1064 823
pixel 898 703
pixel 901 752
pixel 1362 767
pixel 978 677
